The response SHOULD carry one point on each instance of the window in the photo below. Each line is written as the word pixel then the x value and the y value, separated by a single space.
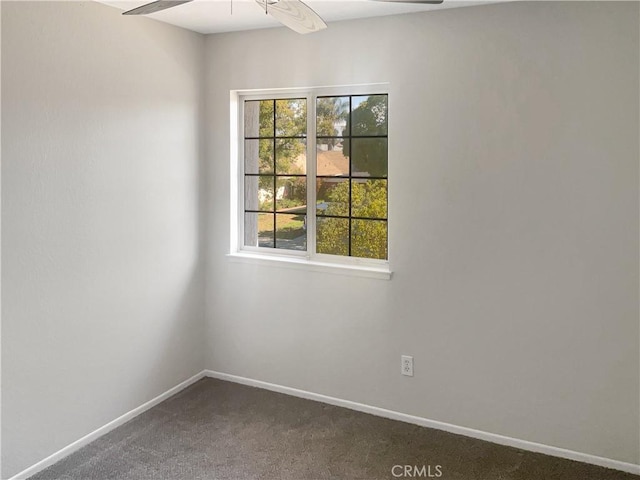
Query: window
pixel 275 181
pixel 351 176
pixel 313 177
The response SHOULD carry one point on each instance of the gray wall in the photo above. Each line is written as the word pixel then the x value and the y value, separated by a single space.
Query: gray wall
pixel 513 232
pixel 101 283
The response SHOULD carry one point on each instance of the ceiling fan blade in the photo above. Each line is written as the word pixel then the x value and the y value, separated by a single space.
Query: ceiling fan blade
pixel 426 2
pixel 294 14
pixel 155 7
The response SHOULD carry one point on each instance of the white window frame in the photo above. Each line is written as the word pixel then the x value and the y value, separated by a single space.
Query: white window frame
pixel 309 259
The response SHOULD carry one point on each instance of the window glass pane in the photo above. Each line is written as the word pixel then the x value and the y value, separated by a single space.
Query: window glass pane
pixel 258 193
pixel 369 157
pixel 332 156
pixel 331 116
pixel 258 156
pixel 369 198
pixel 332 196
pixel 291 117
pixel 332 236
pixel 291 231
pixel 258 118
pixel 291 194
pixel 369 115
pixel 258 229
pixel 369 239
pixel 291 156
pixel 351 166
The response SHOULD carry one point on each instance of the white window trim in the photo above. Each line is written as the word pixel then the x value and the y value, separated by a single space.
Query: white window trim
pixel 305 260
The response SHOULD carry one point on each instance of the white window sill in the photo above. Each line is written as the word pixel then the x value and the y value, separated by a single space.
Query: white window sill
pixel 302 263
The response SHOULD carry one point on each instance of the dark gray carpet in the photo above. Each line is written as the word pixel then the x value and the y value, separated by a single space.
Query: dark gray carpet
pixel 221 430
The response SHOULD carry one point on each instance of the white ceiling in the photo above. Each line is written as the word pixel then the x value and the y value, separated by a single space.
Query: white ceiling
pixel 214 16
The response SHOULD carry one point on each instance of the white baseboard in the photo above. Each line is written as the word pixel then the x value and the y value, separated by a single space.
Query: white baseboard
pixel 360 407
pixel 78 444
pixel 425 422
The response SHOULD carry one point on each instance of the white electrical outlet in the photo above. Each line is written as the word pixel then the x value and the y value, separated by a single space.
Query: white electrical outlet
pixel 406 365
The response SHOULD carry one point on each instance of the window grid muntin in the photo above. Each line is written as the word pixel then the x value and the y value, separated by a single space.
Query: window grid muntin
pixel 274 138
pixel 350 177
pixel 311 97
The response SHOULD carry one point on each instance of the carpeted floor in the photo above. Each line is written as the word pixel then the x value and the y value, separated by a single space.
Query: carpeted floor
pixel 221 430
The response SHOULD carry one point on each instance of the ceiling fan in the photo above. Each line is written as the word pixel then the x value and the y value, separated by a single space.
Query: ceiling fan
pixel 295 14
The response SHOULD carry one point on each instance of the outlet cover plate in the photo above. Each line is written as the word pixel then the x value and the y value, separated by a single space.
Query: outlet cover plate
pixel 406 365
